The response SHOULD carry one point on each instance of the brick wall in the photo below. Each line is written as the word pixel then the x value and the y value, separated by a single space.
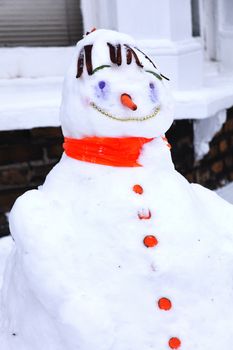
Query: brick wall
pixel 216 168
pixel 26 156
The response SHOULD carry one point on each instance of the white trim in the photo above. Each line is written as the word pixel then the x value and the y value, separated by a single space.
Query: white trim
pixel 226 33
pixel 167 47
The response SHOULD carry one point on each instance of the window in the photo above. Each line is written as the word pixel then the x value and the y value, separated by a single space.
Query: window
pixel 195 6
pixel 40 22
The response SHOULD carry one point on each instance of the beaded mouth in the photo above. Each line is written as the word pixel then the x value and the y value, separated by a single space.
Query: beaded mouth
pixel 129 119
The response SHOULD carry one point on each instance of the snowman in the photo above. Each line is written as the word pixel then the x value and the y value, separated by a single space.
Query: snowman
pixel 117 251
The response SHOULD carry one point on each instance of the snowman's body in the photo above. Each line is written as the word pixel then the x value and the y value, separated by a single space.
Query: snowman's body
pixel 81 276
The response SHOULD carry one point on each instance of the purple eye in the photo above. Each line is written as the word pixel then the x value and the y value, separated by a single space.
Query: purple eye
pixel 153 92
pixel 102 84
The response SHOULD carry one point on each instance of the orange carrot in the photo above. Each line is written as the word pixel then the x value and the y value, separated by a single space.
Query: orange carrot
pixel 127 101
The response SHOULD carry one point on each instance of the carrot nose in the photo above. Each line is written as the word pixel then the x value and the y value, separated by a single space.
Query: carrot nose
pixel 127 101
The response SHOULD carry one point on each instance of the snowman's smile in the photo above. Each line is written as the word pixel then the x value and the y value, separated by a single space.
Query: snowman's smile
pixel 126 119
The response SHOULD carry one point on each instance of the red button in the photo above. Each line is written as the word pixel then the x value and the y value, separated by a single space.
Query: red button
pixel 150 241
pixel 164 304
pixel 174 343
pixel 138 189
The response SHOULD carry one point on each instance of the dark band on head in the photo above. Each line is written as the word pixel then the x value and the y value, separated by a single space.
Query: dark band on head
pixel 115 52
pixel 118 55
pixel 148 58
pixel 128 56
pixel 112 52
pixel 135 56
pixel 80 64
pixel 163 76
pixel 88 49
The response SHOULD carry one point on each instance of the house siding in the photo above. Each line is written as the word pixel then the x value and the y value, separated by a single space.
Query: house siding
pixel 40 23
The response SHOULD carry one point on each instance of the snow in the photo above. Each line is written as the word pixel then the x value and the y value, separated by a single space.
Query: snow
pixel 6 244
pixel 36 62
pixel 204 131
pixel 80 276
pixel 226 192
pixel 27 103
pixel 215 95
pixel 30 86
pixel 206 106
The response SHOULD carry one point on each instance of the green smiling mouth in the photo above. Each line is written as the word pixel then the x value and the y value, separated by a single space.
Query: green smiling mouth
pixel 129 119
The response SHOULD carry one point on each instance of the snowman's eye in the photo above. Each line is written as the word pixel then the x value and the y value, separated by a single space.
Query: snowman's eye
pixel 102 89
pixel 102 84
pixel 152 86
pixel 153 92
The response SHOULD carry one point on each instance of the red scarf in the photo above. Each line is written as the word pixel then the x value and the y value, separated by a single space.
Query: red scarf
pixel 119 152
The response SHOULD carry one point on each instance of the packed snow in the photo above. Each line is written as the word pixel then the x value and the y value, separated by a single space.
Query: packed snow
pixel 80 275
pixel 6 245
pixel 34 62
pixel 226 192
pixel 27 103
pixel 30 86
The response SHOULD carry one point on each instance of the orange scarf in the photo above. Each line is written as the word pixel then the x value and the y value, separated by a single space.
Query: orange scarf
pixel 119 152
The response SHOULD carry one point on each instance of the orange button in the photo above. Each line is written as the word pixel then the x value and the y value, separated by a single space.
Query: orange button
pixel 164 304
pixel 150 241
pixel 138 189
pixel 174 343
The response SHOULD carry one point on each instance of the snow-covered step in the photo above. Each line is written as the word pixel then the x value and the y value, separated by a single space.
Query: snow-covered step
pixel 26 103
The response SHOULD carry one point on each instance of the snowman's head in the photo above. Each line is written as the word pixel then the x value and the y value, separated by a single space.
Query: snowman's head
pixel 113 89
